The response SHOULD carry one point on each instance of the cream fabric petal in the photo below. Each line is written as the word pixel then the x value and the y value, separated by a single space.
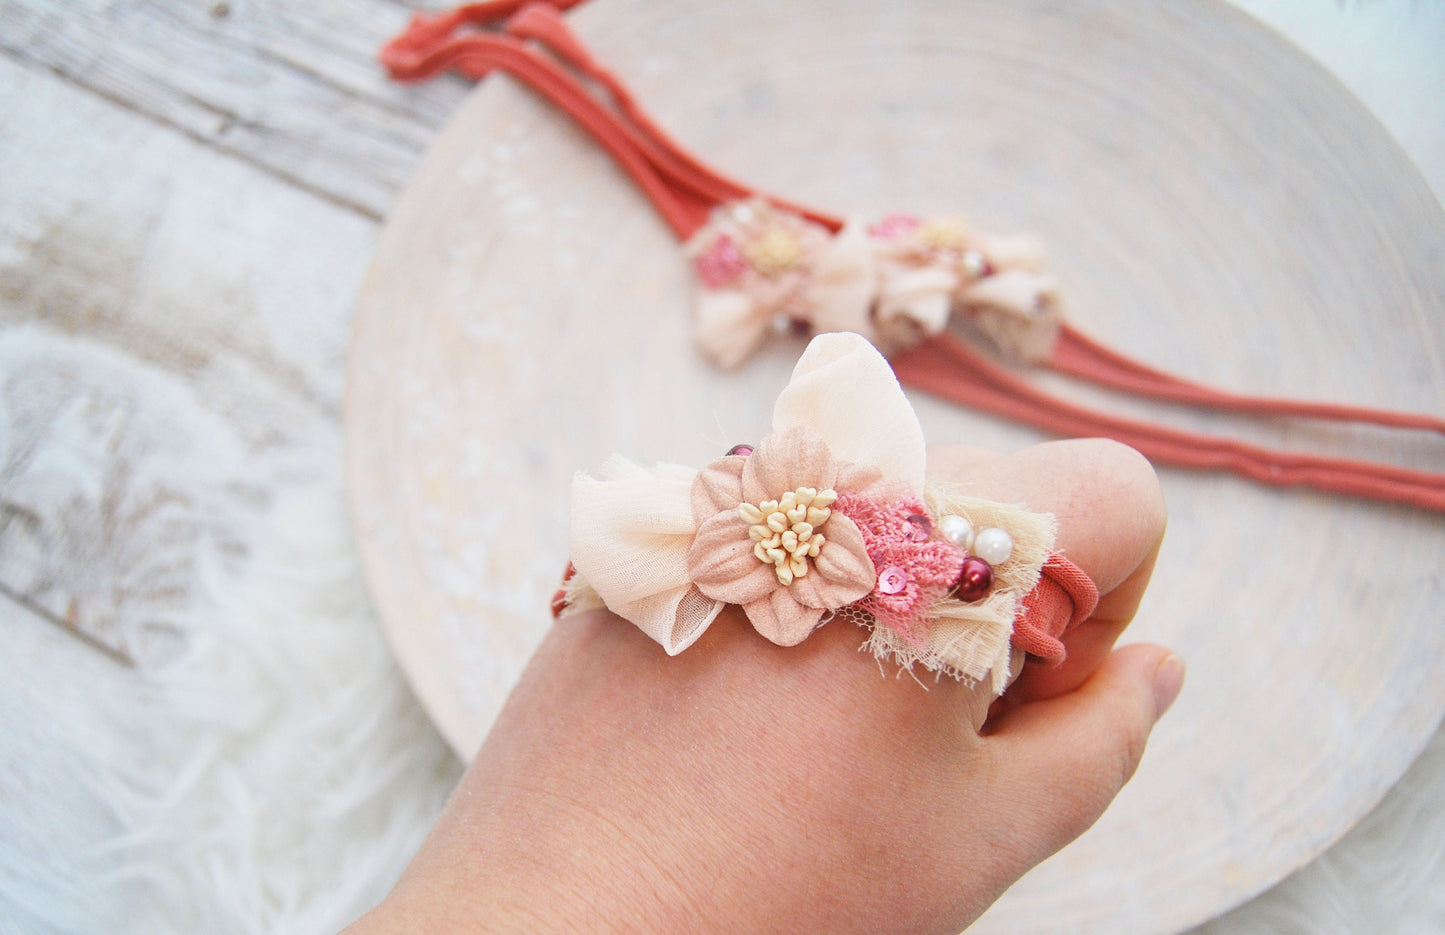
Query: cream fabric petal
pixel 1018 251
pixel 730 325
pixel 631 531
pixel 923 296
pixel 781 619
pixel 722 564
pixel 843 389
pixel 1015 309
pixel 1018 291
pixel 840 293
pixel 866 479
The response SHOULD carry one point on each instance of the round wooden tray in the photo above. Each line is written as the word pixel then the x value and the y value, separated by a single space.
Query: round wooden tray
pixel 1214 203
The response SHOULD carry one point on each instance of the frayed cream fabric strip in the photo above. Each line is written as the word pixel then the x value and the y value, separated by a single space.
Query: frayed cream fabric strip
pixel 579 597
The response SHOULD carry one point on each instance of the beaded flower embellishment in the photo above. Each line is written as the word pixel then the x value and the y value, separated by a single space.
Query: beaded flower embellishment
pixel 900 280
pixel 828 516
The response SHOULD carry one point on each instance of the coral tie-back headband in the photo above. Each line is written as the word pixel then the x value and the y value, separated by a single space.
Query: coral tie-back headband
pixel 900 282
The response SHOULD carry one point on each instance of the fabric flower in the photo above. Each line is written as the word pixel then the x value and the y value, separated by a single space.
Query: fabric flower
pixel 759 264
pixel 783 598
pixel 1017 305
pixel 666 547
pixel 755 262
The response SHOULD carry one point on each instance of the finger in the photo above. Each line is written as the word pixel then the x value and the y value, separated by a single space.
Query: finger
pixel 950 462
pixel 1066 758
pixel 1111 517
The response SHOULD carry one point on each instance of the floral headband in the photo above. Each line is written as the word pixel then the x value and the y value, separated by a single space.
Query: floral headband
pixel 828 516
pixel 896 282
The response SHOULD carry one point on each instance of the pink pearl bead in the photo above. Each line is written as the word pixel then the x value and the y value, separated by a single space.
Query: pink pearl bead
pixel 742 451
pixel 975 579
pixel 892 580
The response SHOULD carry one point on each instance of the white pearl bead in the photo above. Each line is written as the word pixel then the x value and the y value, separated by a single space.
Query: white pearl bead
pixel 957 530
pixel 993 545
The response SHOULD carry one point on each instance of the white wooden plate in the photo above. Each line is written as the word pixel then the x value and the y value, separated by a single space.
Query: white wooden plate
pixel 1214 203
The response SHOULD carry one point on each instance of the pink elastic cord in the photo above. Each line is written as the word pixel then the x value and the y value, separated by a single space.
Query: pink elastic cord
pixel 1064 598
pixel 950 369
pixel 682 188
pixel 482 53
pixel 1078 355
pixel 685 191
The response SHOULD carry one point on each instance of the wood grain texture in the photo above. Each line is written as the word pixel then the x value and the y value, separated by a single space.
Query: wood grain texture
pixel 1214 203
pixel 291 87
pixel 172 330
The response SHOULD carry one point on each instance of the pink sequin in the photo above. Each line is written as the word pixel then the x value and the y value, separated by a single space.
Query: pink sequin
pixel 922 527
pixel 721 263
pixel 892 580
pixel 894 225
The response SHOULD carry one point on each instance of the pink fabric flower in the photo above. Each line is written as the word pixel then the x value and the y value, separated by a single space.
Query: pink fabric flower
pixel 723 561
pixel 893 226
pixel 721 263
pixel 759 264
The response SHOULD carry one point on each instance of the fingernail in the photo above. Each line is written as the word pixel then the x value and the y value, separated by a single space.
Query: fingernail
pixel 1168 680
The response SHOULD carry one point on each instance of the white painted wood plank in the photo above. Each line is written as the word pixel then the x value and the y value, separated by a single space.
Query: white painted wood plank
pixel 173 324
pixel 292 87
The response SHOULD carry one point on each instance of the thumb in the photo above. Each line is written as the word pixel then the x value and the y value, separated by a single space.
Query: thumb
pixel 1066 758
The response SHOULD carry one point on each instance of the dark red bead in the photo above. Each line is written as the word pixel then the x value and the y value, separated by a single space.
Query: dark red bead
pixel 974 580
pixel 742 451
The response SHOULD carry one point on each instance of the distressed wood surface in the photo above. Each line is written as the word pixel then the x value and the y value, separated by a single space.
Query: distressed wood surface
pixel 290 87
pixel 175 325
pixel 521 268
pixel 189 195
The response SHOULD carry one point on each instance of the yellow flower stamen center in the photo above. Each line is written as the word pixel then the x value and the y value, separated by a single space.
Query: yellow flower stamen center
pixel 943 234
pixel 774 252
pixel 784 531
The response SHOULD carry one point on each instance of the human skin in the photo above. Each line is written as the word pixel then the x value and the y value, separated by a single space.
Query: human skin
pixel 746 787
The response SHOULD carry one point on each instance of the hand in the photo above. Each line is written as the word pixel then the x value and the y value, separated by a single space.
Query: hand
pixel 745 787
